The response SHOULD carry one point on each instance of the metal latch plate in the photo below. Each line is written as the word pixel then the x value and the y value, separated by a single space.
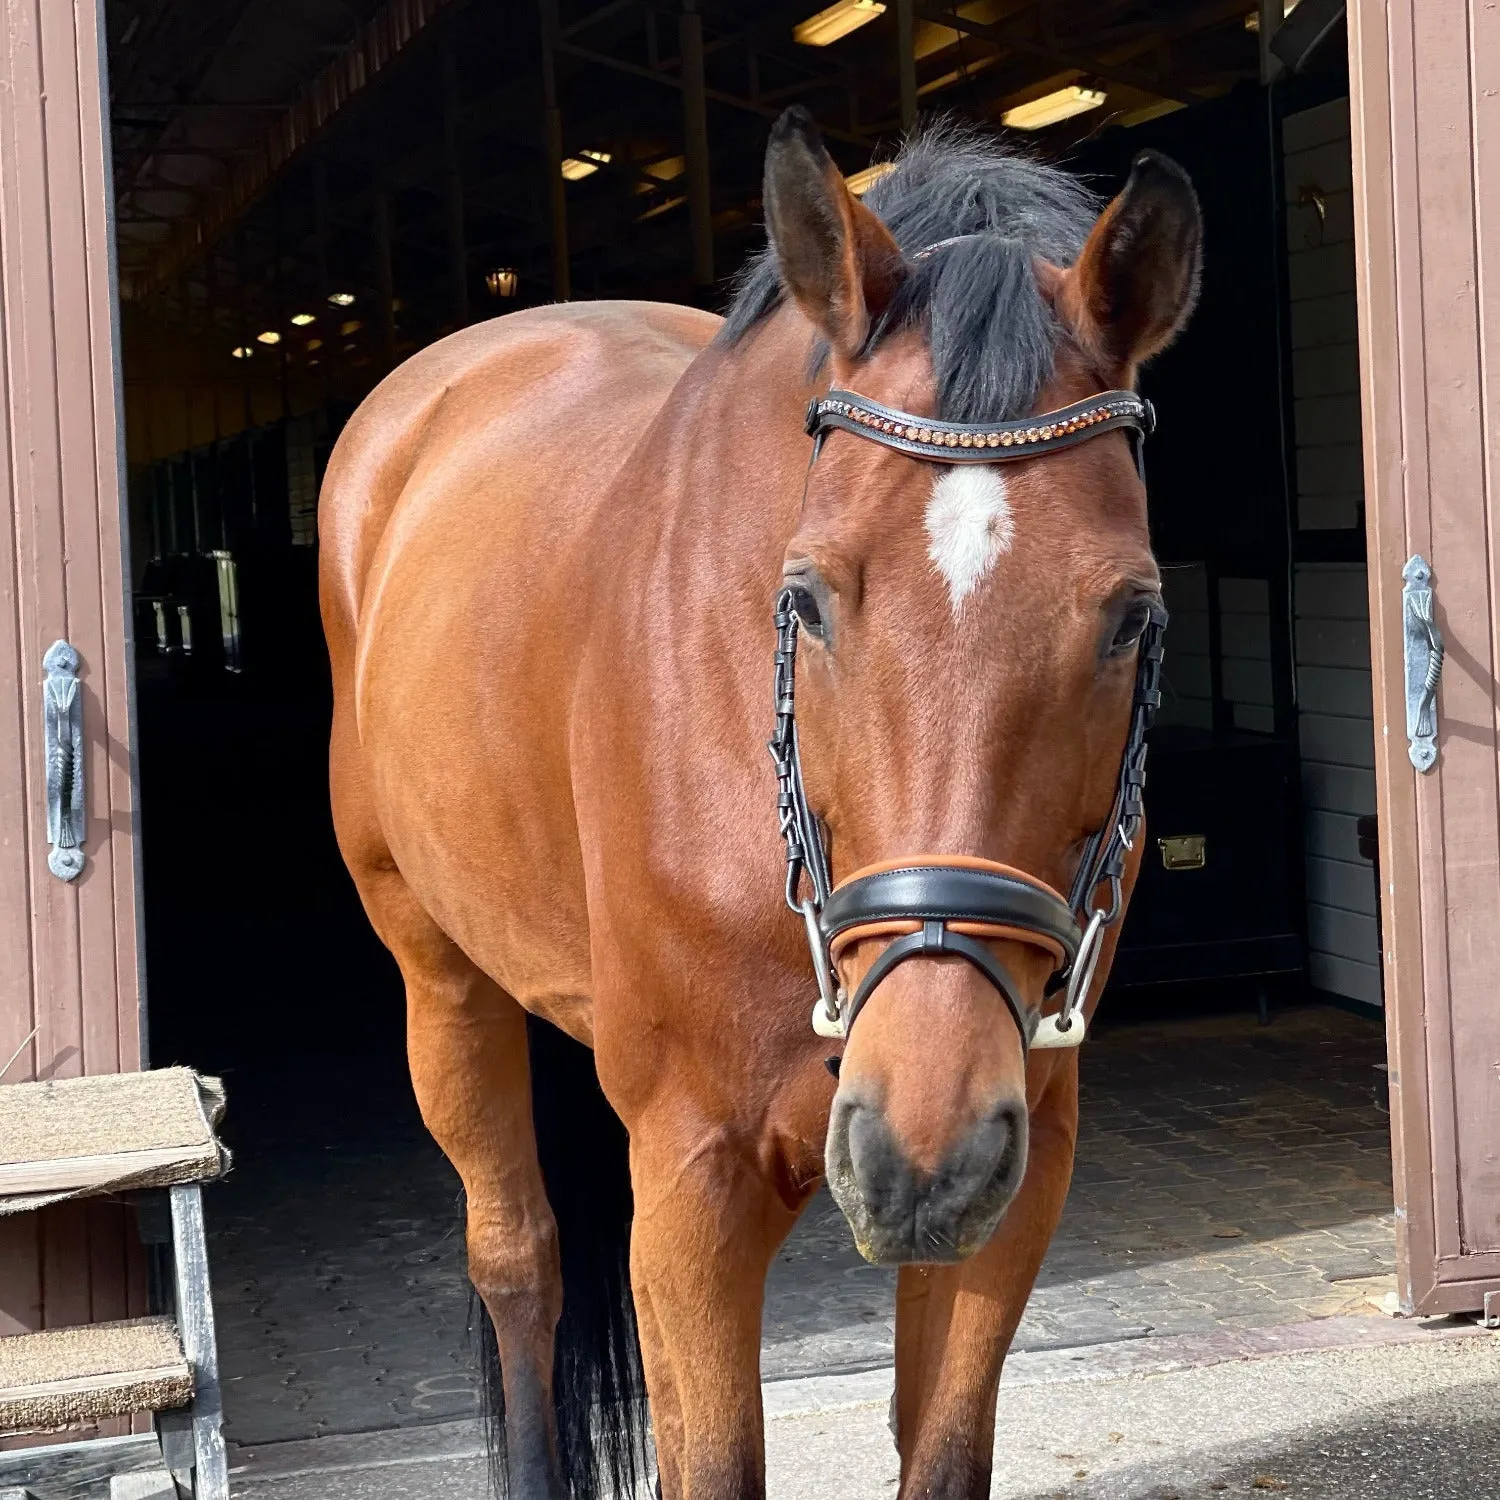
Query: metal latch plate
pixel 1183 851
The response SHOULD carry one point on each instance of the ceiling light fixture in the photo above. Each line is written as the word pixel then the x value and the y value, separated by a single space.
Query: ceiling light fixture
pixel 314 344
pixel 842 17
pixel 352 326
pixel 301 320
pixel 1060 104
pixel 502 281
pixel 585 164
pixel 270 336
pixel 242 351
pixel 860 183
pixel 341 299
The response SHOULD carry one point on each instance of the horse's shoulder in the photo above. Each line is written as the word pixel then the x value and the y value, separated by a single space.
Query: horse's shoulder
pixel 543 363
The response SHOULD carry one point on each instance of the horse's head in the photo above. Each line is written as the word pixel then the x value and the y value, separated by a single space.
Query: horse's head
pixel 968 632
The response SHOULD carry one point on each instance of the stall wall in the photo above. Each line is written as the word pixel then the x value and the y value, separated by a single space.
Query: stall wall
pixel 1330 600
pixel 1245 637
pixel 1187 671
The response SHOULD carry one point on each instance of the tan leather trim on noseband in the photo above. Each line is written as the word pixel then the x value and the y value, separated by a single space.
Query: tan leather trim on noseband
pixel 957 861
pixel 995 930
pixel 999 931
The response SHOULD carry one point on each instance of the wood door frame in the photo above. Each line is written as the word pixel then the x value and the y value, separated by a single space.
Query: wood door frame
pixel 70 953
pixel 1385 58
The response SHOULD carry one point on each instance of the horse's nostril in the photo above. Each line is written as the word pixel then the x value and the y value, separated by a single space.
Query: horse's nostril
pixel 986 1153
pixel 886 1182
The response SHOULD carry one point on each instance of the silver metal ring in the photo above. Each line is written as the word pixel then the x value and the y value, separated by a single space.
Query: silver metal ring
pixel 831 1022
pixel 1084 965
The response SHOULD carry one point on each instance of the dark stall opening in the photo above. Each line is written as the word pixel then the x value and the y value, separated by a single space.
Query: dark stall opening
pixel 1233 1095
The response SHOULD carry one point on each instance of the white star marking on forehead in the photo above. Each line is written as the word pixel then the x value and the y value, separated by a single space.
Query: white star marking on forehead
pixel 969 524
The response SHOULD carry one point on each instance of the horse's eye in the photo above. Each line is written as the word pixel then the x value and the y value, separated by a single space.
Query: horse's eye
pixel 807 611
pixel 1131 627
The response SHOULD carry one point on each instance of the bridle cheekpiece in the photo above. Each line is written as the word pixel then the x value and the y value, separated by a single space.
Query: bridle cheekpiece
pixel 950 904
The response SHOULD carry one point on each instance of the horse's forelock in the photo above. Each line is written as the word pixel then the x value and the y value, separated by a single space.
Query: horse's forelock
pixel 991 332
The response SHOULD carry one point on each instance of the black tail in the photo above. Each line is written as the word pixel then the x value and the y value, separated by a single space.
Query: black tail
pixel 599 1387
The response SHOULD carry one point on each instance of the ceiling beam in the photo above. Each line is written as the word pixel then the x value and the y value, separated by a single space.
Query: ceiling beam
pixel 373 48
pixel 1011 37
pixel 583 23
pixel 719 96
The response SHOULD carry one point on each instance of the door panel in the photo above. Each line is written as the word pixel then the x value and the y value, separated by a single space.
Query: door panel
pixel 1424 75
pixel 69 952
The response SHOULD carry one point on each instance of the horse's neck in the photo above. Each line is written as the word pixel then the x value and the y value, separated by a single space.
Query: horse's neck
pixel 714 488
pixel 736 433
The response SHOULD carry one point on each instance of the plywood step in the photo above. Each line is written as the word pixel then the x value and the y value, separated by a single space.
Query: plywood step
pixel 66 1375
pixel 76 1136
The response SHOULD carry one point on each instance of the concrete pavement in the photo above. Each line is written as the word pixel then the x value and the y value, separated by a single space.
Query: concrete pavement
pixel 1229 1175
pixel 1366 1410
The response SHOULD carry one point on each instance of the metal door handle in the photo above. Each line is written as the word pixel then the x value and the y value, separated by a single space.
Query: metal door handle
pixel 1422 645
pixel 62 719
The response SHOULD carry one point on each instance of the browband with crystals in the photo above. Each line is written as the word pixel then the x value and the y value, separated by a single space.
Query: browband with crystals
pixel 989 442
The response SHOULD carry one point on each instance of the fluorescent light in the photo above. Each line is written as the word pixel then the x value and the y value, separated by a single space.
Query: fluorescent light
pixel 1061 104
pixel 341 299
pixel 301 320
pixel 842 17
pixel 585 164
pixel 270 336
pixel 860 183
pixel 242 351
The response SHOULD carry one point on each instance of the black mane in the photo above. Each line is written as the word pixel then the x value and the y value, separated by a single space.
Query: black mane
pixel 990 332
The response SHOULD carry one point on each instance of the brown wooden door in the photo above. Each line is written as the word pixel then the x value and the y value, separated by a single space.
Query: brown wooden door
pixel 69 951
pixel 1425 100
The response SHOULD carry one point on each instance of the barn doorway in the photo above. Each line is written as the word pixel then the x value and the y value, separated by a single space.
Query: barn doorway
pixel 305 200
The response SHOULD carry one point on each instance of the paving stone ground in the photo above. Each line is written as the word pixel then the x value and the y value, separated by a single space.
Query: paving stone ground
pixel 1228 1175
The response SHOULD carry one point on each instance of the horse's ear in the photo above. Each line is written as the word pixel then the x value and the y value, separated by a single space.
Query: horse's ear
pixel 836 258
pixel 1134 286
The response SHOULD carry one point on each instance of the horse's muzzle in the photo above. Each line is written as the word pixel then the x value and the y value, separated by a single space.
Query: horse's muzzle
pixel 901 1214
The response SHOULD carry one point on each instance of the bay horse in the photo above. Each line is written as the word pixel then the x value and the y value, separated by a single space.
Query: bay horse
pixel 552 546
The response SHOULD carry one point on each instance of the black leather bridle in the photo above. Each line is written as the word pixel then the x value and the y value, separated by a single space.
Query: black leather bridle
pixel 951 904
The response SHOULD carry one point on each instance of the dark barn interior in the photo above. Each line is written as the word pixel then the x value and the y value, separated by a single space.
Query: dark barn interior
pixel 306 195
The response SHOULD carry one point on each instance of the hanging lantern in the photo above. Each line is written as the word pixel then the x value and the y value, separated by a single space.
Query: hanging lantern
pixel 502 281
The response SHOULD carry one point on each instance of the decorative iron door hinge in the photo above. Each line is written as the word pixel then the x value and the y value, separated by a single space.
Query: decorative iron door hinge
pixel 62 719
pixel 1422 646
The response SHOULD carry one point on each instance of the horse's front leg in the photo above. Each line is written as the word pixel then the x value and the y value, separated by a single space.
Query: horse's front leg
pixel 954 1323
pixel 707 1223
